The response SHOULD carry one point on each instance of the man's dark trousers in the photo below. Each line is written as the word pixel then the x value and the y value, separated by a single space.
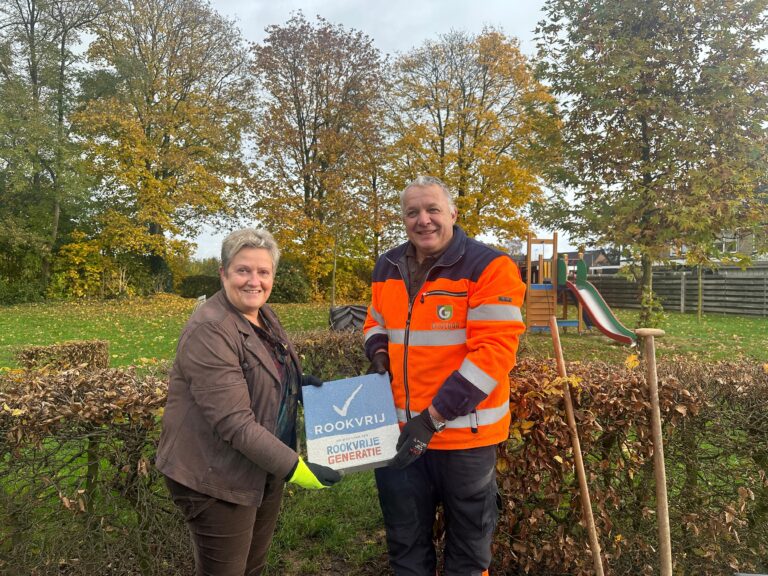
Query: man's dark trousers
pixel 465 482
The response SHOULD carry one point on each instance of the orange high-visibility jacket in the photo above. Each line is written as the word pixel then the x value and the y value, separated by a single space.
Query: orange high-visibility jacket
pixel 455 343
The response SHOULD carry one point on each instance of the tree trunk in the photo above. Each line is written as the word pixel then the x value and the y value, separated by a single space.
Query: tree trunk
pixel 59 161
pixel 45 266
pixel 158 267
pixel 333 273
pixel 646 308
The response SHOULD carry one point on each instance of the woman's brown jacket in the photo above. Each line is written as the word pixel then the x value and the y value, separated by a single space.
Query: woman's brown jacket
pixel 223 399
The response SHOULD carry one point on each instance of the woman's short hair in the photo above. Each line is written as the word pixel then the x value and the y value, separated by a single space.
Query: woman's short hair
pixel 423 182
pixel 248 238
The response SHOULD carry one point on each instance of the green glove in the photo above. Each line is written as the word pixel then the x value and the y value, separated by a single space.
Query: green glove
pixel 312 476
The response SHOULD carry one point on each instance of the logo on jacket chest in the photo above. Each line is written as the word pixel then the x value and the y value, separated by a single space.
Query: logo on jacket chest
pixel 445 313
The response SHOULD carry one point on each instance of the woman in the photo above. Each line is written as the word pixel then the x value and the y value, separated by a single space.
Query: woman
pixel 229 428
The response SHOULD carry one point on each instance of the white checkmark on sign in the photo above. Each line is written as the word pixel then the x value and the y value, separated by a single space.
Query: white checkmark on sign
pixel 343 410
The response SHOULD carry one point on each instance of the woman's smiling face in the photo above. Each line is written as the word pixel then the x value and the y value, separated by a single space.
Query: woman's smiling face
pixel 248 281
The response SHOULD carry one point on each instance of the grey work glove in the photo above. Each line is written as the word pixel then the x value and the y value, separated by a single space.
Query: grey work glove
pixel 380 364
pixel 413 441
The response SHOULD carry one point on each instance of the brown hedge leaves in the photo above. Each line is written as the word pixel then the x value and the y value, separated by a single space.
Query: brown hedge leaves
pixel 36 404
pixel 85 354
pixel 716 478
pixel 715 419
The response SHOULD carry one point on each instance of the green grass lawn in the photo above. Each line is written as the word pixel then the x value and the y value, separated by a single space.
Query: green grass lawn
pixel 309 538
pixel 144 330
pixel 138 330
pixel 716 337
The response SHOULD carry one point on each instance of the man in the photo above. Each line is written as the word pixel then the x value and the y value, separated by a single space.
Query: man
pixel 444 322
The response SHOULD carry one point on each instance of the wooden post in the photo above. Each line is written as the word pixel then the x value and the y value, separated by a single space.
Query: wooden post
pixel 582 326
pixel 586 503
pixel 662 510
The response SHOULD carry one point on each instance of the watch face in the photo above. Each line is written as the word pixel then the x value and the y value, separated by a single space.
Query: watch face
pixel 439 426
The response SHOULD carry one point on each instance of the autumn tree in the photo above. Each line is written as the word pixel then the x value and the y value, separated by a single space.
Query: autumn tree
pixel 375 189
pixel 467 109
pixel 317 90
pixel 664 105
pixel 164 126
pixel 41 190
pixel 373 209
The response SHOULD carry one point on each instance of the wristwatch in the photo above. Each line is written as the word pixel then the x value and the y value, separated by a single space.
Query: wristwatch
pixel 437 424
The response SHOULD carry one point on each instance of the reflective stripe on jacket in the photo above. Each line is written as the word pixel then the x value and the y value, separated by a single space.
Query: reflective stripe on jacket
pixel 455 343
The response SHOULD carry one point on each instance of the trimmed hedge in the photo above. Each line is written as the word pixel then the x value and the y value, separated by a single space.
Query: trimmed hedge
pixel 84 354
pixel 84 498
pixel 716 453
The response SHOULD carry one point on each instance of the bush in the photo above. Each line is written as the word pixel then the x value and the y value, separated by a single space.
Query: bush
pixel 81 497
pixel 21 291
pixel 202 266
pixel 291 284
pixel 331 355
pixel 78 269
pixel 84 354
pixel 194 286
pixel 717 510
pixel 353 280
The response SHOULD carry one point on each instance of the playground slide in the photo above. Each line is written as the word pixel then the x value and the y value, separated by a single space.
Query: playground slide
pixel 600 313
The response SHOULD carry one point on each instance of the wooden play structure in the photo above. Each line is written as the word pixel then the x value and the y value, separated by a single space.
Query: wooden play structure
pixel 546 278
pixel 552 282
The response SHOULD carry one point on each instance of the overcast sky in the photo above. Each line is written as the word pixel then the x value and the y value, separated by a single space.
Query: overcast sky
pixel 394 25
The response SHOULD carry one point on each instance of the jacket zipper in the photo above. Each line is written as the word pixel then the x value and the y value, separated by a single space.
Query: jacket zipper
pixel 408 329
pixel 408 322
pixel 442 293
pixel 405 360
pixel 472 415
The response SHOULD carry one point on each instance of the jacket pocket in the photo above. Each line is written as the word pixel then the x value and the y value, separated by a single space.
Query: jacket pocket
pixel 190 502
pixel 449 293
pixel 445 309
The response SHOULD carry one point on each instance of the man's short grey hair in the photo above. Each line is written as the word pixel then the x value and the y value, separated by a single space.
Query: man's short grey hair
pixel 423 182
pixel 248 238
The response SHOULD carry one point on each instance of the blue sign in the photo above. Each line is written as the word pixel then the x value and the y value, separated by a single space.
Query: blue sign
pixel 351 423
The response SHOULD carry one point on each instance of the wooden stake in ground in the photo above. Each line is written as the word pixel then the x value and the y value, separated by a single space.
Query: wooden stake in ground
pixel 586 503
pixel 662 511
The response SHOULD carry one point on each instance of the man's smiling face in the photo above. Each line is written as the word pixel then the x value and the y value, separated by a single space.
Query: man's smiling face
pixel 428 219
